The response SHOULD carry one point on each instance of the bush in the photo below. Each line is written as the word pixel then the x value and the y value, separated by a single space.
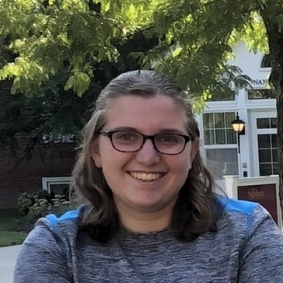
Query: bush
pixel 25 201
pixel 36 205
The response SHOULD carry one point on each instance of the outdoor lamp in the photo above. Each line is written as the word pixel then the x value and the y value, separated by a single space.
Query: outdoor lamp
pixel 238 126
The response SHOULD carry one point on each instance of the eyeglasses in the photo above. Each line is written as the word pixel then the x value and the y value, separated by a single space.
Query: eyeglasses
pixel 131 141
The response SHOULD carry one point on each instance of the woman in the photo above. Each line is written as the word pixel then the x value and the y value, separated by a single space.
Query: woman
pixel 149 212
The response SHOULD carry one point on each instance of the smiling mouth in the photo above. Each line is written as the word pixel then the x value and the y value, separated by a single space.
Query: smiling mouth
pixel 146 177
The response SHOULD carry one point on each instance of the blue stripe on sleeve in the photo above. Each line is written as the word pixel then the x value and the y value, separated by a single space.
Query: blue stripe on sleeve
pixel 69 215
pixel 241 206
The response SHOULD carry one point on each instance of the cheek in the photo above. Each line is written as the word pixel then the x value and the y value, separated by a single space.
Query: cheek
pixel 182 166
pixel 113 160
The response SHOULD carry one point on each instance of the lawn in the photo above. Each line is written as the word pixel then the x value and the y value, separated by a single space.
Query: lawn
pixel 13 227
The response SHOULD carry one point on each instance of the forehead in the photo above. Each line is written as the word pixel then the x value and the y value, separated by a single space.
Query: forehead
pixel 146 114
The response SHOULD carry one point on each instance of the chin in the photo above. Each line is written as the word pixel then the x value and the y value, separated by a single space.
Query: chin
pixel 148 205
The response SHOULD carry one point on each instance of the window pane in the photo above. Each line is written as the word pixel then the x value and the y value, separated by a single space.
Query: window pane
pixel 229 117
pixel 262 123
pixel 274 140
pixel 275 169
pixel 273 123
pixel 263 141
pixel 274 155
pixel 209 137
pixel 208 121
pixel 220 136
pixel 219 120
pixel 231 136
pixel 265 169
pixel 264 155
pixel 222 161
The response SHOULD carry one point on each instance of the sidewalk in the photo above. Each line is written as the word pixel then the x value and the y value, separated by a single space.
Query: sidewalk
pixel 8 257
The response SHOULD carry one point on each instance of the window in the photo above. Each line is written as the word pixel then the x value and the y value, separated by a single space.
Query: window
pixel 217 128
pixel 227 96
pixel 265 62
pixel 266 123
pixel 267 146
pixel 261 94
pixel 267 154
pixel 56 185
pixel 220 143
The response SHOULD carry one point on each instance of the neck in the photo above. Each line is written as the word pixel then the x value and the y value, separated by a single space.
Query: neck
pixel 145 221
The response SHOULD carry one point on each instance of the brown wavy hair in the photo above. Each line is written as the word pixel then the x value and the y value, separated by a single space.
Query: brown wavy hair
pixel 193 212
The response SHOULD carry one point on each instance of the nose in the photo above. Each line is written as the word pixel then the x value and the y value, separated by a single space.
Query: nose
pixel 148 154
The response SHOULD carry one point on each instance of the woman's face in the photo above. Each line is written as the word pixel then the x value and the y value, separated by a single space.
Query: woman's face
pixel 144 181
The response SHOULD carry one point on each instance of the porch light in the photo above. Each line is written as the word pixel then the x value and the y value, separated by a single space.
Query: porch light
pixel 238 126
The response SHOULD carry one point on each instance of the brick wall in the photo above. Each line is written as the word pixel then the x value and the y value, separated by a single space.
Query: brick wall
pixel 26 175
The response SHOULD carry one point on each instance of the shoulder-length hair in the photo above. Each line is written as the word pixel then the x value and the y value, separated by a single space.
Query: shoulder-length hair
pixel 193 212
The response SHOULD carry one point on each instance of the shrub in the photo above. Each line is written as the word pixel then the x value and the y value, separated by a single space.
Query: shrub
pixel 36 205
pixel 25 201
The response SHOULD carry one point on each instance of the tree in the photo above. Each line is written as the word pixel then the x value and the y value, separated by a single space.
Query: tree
pixel 194 44
pixel 205 30
pixel 49 111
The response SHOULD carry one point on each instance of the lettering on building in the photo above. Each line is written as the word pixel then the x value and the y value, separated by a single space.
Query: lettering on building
pixel 255 194
pixel 260 82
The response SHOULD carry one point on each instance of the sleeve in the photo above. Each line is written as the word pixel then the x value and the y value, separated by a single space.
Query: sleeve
pixel 41 258
pixel 261 259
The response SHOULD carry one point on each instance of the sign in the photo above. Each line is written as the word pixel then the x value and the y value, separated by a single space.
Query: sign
pixel 262 194
pixel 259 82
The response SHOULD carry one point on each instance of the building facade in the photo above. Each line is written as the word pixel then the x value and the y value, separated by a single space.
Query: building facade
pixel 20 173
pixel 256 154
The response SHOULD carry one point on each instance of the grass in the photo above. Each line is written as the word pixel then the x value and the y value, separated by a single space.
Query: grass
pixel 10 228
pixel 9 238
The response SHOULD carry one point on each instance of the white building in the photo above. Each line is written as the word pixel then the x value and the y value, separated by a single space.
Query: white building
pixel 257 108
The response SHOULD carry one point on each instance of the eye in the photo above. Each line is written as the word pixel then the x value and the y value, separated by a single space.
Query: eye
pixel 169 139
pixel 126 136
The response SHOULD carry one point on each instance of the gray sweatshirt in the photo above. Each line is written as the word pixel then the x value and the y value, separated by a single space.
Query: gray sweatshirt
pixel 248 247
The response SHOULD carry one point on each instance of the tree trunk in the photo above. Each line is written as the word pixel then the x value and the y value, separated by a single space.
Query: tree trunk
pixel 275 42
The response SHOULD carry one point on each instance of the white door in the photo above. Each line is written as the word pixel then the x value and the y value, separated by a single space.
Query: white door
pixel 264 140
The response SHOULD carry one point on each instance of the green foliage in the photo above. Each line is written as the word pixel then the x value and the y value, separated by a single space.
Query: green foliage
pixel 194 38
pixel 25 201
pixel 38 204
pixel 43 206
pixel 45 35
pixel 52 111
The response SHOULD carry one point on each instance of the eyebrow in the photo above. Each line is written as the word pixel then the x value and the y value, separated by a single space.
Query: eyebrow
pixel 162 131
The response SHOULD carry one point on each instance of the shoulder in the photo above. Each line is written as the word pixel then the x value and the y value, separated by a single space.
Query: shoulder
pixel 243 214
pixel 62 229
pixel 240 207
pixel 69 219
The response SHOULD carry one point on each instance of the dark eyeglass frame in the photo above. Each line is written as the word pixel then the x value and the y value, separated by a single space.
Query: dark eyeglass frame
pixel 110 134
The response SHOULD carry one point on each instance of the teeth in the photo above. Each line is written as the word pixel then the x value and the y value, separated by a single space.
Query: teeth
pixel 146 176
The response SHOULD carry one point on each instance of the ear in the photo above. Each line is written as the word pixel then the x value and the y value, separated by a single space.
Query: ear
pixel 194 149
pixel 95 154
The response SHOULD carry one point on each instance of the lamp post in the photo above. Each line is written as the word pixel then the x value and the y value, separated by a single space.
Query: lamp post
pixel 238 126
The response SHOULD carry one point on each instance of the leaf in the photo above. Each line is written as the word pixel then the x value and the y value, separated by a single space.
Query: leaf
pixel 176 52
